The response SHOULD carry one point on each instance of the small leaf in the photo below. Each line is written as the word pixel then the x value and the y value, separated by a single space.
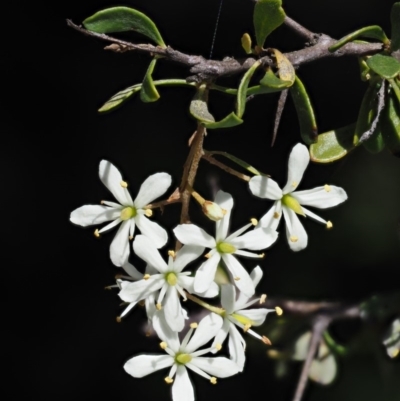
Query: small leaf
pixel 270 80
pixel 390 124
pixel 373 31
pixel 231 120
pixel 395 19
pixel 122 19
pixel 395 85
pixel 364 69
pixel 285 69
pixel 246 43
pixel 268 15
pixel 242 90
pixel 199 108
pixel 119 98
pixel 305 112
pixel 385 66
pixel 149 92
pixel 333 145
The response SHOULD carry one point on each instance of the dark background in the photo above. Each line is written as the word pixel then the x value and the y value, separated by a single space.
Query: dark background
pixel 62 340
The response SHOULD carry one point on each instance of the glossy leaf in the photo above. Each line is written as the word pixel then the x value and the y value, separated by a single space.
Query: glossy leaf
pixel 199 108
pixel 122 19
pixel 149 92
pixel 242 90
pixel 305 112
pixel 373 32
pixel 390 124
pixel 395 19
pixel 333 145
pixel 246 43
pixel 268 15
pixel 231 120
pixel 385 66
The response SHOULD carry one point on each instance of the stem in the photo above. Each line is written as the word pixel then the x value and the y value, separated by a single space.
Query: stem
pixel 174 198
pixel 214 309
pixel 278 115
pixel 224 167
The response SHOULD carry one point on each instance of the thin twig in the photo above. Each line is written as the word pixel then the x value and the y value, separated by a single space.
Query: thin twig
pixel 224 167
pixel 301 30
pixel 278 115
pixel 174 198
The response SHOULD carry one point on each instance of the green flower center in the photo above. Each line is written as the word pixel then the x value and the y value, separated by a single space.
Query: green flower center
pixel 242 319
pixel 171 278
pixel 183 359
pixel 293 204
pixel 224 247
pixel 128 212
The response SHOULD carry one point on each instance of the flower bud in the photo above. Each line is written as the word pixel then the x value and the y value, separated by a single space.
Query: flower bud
pixel 213 211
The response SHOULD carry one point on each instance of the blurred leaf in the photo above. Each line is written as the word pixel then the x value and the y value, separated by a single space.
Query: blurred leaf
pixel 385 66
pixel 324 370
pixel 395 19
pixel 199 108
pixel 268 15
pixel 246 43
pixel 333 145
pixel 301 347
pixel 305 112
pixel 242 90
pixel 391 339
pixel 390 124
pixel 121 19
pixel 149 92
pixel 231 120
pixel 373 31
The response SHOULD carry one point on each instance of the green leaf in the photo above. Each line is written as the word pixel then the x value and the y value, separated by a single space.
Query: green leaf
pixel 149 92
pixel 242 90
pixel 231 120
pixel 199 108
pixel 333 145
pixel 395 19
pixel 364 69
pixel 390 124
pixel 121 19
pixel 246 43
pixel 305 112
pixel 395 84
pixel 385 66
pixel 253 90
pixel 268 15
pixel 373 31
pixel 285 69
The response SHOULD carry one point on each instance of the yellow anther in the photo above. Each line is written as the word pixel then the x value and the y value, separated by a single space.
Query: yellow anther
pixel 207 256
pixel 236 278
pixel 123 184
pixel 193 325
pixel 329 224
pixel 148 212
pixel 254 221
pixel 293 238
pixel 218 347
pixel 130 237
pixel 163 345
pixel 273 353
pixel 277 215
pixel 395 352
pixel 101 202
pixel 96 233
pixel 213 380
pixel 294 184
pixel 246 327
pixel 261 255
pixel 118 319
pixel 168 380
pixel 266 340
pixel 146 276
pixel 278 310
pixel 263 298
pixel 158 306
pixel 327 188
pixel 172 254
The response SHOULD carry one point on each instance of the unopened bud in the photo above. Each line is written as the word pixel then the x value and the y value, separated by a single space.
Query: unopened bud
pixel 213 211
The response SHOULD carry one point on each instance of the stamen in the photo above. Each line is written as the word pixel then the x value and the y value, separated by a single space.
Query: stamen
pixel 146 276
pixel 327 188
pixel 158 306
pixel 96 233
pixel 193 325
pixel 213 380
pixel 148 212
pixel 102 202
pixel 118 319
pixel 123 184
pixel 172 254
pixel 293 238
pixel 266 340
pixel 261 255
pixel 218 347
pixel 273 353
pixel 329 225
pixel 207 255
pixel 254 221
pixel 294 184
pixel 130 237
pixel 236 278
pixel 163 345
pixel 278 310
pixel 246 327
pixel 168 380
pixel 263 298
pixel 276 215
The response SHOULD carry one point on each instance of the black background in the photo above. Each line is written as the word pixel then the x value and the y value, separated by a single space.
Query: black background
pixel 62 340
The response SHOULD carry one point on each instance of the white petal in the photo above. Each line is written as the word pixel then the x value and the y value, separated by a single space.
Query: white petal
pixel 298 162
pixel 309 213
pixel 138 290
pixel 187 254
pixel 320 198
pixel 255 276
pixel 221 335
pixel 120 247
pixel 147 251
pixel 236 347
pixel 188 284
pixel 259 238
pixel 225 201
pixel 151 230
pixel 295 232
pixel 193 235
pixel 218 367
pixel 164 332
pixel 111 178
pixel 272 218
pixel 265 188
pixel 228 297
pixel 182 389
pixel 240 275
pixel 173 310
pixel 132 271
pixel 206 273
pixel 150 306
pixel 152 188
pixel 93 214
pixel 256 315
pixel 323 371
pixel 206 330
pixel 143 365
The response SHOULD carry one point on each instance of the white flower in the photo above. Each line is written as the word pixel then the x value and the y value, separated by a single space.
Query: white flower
pixel 170 280
pixel 181 356
pixel 127 212
pixel 224 247
pixel 236 314
pixel 289 203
